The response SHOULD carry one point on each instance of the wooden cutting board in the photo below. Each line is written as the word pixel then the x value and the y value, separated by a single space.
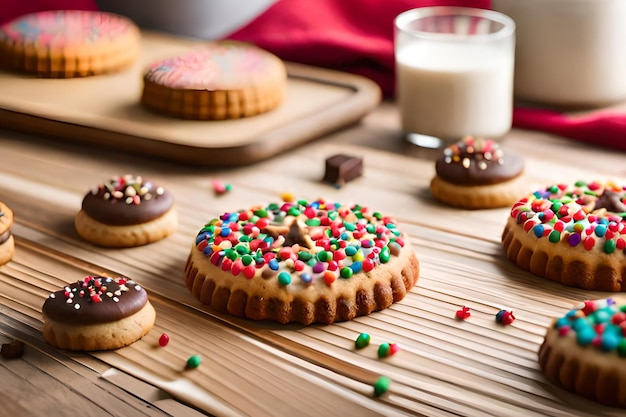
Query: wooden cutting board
pixel 104 110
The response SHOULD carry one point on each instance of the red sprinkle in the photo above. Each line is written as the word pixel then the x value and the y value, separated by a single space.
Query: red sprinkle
pixel 463 313
pixel 164 340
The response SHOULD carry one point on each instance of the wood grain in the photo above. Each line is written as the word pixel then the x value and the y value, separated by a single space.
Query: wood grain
pixel 445 367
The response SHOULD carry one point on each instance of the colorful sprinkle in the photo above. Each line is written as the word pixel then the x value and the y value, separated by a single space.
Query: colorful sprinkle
pixel 381 386
pixel 505 317
pixel 341 241
pixel 219 187
pixel 362 340
pixel 164 340
pixel 194 361
pixel 387 349
pixel 591 215
pixel 463 313
pixel 128 189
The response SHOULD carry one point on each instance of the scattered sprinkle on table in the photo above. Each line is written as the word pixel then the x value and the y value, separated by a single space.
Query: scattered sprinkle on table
pixel 505 317
pixel 381 386
pixel 220 188
pixel 287 197
pixel 362 341
pixel 164 340
pixel 463 313
pixel 387 349
pixel 194 361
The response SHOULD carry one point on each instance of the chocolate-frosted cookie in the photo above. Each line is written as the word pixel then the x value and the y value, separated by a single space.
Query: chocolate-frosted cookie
pixel 477 173
pixel 126 211
pixel 7 245
pixel 97 313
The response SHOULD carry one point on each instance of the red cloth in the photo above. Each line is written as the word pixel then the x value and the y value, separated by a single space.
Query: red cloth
pixel 349 35
pixel 357 36
pixel 604 128
pixel 10 9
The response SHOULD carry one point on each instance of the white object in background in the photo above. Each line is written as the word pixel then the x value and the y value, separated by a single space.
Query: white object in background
pixel 569 52
pixel 454 70
pixel 203 19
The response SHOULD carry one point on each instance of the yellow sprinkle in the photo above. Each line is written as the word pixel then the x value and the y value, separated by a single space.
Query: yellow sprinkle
pixel 287 197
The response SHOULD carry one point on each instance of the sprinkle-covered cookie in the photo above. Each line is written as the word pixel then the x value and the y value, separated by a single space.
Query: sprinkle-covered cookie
pixel 306 261
pixel 68 43
pixel 571 233
pixel 584 351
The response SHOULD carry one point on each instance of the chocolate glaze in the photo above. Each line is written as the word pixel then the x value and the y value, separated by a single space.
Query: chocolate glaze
pixel 94 300
pixel 126 201
pixel 478 162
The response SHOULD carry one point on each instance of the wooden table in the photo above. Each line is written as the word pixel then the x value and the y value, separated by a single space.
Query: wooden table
pixel 444 366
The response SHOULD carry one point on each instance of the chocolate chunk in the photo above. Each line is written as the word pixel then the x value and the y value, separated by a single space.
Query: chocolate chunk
pixel 610 201
pixel 342 168
pixel 12 350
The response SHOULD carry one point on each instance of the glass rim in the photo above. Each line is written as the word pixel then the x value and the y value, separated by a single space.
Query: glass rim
pixel 401 22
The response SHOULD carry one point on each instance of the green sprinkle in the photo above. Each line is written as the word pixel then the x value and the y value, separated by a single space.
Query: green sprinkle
pixel 312 222
pixel 555 236
pixel 304 255
pixel 346 272
pixel 556 206
pixel 384 255
pixel 621 348
pixel 362 341
pixel 349 226
pixel 332 215
pixel 261 213
pixel 246 259
pixel 231 254
pixel 383 350
pixel 194 361
pixel 609 246
pixel 242 249
pixel 381 386
pixel 284 278
pixel 377 215
pixel 273 206
pixel 293 211
pixel 324 256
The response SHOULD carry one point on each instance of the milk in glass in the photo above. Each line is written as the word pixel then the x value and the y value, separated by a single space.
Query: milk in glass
pixel 448 90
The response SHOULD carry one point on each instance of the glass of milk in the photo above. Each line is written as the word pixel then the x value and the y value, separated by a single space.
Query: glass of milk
pixel 454 74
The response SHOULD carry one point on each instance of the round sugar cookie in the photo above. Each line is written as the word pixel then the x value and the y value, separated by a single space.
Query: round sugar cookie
pixel 217 81
pixel 68 43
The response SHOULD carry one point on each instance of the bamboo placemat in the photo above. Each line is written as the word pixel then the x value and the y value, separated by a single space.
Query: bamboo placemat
pixel 444 366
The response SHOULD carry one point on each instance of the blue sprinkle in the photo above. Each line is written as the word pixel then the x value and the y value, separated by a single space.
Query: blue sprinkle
pixel 225 231
pixel 306 278
pixel 580 323
pixel 356 266
pixel 208 250
pixel 600 230
pixel 538 230
pixel 585 336
pixel 609 341
pixel 273 264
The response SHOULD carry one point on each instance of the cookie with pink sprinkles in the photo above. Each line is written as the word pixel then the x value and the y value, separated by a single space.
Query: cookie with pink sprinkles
pixel 303 261
pixel 574 234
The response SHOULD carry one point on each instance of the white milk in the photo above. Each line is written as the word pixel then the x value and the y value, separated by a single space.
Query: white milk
pixel 569 52
pixel 452 90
